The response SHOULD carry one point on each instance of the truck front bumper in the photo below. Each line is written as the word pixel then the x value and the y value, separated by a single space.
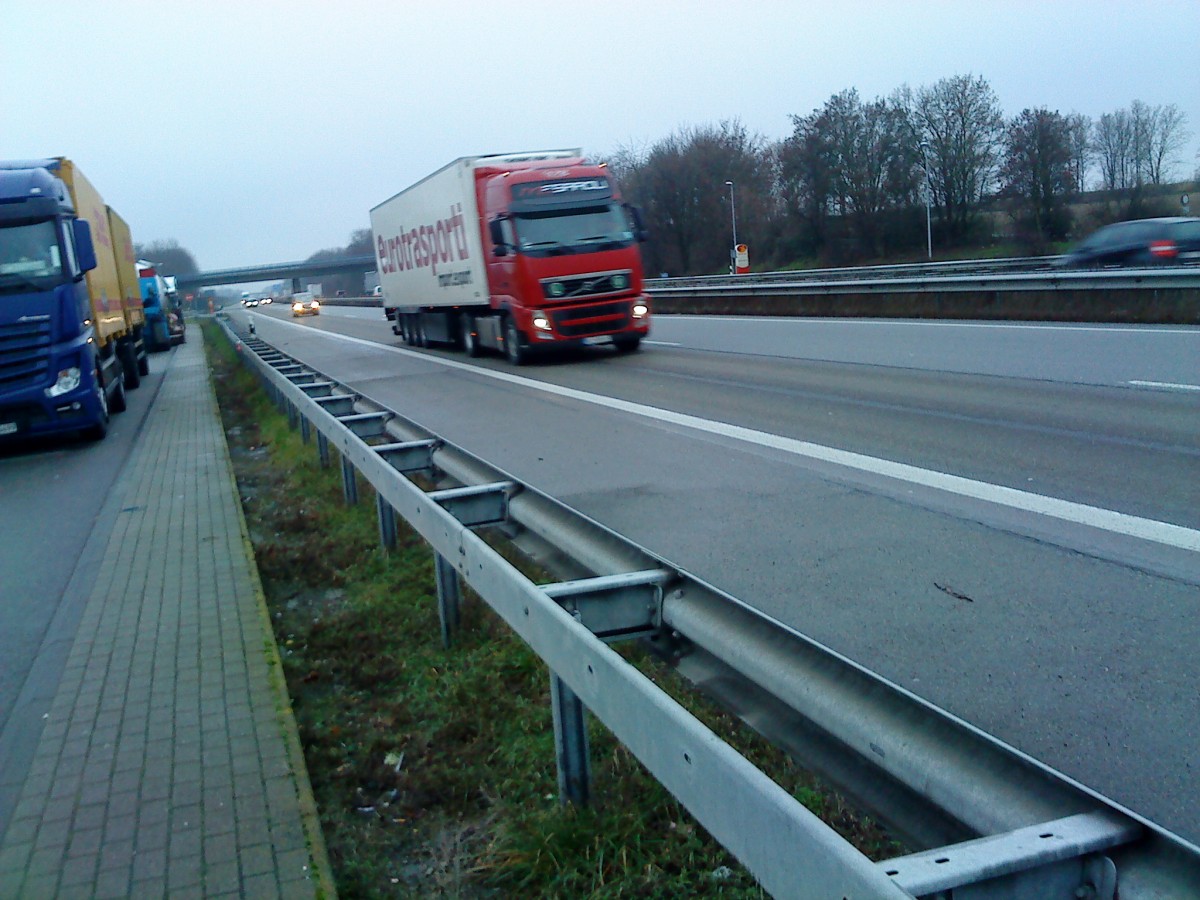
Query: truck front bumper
pixel 583 323
pixel 30 413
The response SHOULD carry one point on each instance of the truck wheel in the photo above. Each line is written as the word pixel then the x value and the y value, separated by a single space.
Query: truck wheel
pixel 627 344
pixel 513 351
pixel 470 340
pixel 127 353
pixel 144 364
pixel 99 430
pixel 118 403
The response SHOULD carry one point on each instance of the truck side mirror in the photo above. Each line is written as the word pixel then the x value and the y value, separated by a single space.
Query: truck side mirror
pixel 639 225
pixel 496 230
pixel 85 250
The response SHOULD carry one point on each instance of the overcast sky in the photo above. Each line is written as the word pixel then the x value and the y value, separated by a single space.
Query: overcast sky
pixel 261 131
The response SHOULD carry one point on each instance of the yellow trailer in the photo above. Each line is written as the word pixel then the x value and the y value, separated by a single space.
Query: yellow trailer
pixel 113 290
pixel 127 276
pixel 104 285
pixel 132 346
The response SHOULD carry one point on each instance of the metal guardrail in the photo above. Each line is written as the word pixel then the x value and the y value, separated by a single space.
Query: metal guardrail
pixel 864 282
pixel 894 270
pixel 997 822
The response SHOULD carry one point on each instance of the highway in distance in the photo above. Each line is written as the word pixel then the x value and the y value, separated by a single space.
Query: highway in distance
pixel 1003 518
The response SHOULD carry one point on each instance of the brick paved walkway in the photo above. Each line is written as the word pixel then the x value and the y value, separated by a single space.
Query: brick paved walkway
pixel 169 763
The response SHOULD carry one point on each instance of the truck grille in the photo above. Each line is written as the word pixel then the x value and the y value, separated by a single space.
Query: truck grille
pixel 24 348
pixel 593 319
pixel 592 285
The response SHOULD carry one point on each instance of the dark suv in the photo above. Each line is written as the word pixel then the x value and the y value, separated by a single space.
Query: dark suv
pixel 1172 240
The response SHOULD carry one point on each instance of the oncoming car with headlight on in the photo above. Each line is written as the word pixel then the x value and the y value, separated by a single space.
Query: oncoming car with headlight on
pixel 305 305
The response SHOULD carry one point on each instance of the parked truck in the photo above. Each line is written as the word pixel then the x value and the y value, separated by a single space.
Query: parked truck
pixel 164 312
pixel 513 252
pixel 70 309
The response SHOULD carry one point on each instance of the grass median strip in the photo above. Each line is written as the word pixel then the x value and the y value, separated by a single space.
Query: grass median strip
pixel 434 769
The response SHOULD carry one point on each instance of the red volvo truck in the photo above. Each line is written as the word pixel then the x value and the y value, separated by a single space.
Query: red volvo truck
pixel 514 252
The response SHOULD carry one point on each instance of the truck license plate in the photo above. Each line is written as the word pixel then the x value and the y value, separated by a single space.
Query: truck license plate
pixel 8 428
pixel 592 341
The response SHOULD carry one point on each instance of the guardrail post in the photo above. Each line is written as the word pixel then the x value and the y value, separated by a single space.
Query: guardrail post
pixel 323 449
pixel 449 591
pixel 349 482
pixel 570 743
pixel 293 414
pixel 305 429
pixel 387 522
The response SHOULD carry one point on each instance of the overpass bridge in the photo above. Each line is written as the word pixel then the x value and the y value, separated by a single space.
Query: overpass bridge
pixel 277 271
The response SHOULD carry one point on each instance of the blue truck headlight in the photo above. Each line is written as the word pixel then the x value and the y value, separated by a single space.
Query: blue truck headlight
pixel 67 381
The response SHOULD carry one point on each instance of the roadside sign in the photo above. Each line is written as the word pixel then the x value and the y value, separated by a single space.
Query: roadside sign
pixel 742 261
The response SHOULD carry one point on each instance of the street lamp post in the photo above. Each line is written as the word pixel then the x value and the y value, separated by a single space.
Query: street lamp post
pixel 928 198
pixel 733 219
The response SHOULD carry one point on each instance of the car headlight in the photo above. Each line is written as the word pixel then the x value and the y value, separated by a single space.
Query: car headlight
pixel 640 310
pixel 296 307
pixel 316 305
pixel 67 381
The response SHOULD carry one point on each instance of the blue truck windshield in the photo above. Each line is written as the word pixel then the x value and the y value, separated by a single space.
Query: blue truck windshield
pixel 30 257
pixel 574 231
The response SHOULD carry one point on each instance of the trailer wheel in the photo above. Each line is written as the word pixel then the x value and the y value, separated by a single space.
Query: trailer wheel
pixel 513 351
pixel 127 354
pixel 470 340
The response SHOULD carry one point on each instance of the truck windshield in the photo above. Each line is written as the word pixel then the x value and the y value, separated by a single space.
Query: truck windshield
pixel 574 231
pixel 30 256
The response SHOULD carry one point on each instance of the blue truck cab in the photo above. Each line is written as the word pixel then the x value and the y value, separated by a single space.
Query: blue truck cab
pixel 164 313
pixel 54 377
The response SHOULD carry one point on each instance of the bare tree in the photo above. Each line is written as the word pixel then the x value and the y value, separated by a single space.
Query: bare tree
pixel 868 149
pixel 680 182
pixel 1167 135
pixel 960 125
pixel 170 258
pixel 1079 129
pixel 1037 171
pixel 1113 144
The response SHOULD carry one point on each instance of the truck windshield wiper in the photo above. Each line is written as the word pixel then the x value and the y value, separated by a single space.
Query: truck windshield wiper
pixel 11 281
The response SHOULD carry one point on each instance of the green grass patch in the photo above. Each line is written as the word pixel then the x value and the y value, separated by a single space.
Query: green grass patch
pixel 434 769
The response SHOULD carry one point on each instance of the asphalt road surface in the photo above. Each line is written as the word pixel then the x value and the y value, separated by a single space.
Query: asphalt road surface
pixel 1003 518
pixel 58 502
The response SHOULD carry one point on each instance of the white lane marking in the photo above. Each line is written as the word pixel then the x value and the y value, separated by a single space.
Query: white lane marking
pixel 809 320
pixel 1167 384
pixel 1109 520
pixel 662 343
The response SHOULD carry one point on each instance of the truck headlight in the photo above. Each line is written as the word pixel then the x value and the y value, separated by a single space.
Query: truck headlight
pixel 541 322
pixel 640 310
pixel 67 381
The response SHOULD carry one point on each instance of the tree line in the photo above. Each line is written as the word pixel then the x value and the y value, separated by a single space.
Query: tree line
pixel 860 179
